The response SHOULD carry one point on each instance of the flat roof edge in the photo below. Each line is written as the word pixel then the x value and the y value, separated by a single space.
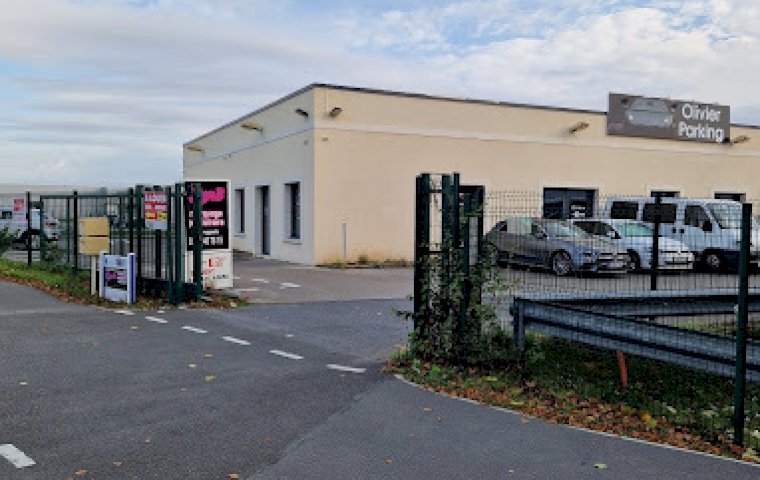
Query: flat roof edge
pixel 377 91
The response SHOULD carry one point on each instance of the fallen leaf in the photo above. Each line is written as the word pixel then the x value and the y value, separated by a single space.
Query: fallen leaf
pixel 79 473
pixel 289 335
pixel 23 384
pixel 209 378
pixel 489 378
pixel 233 476
pixel 524 421
pixel 600 466
pixel 388 461
pixel 517 403
pixel 117 464
pixel 134 327
pixel 208 355
pixel 427 409
pixel 147 440
pixel 438 419
pixel 192 365
pixel 183 389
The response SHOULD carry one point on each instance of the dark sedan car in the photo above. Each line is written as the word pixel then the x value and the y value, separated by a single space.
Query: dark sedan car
pixel 557 245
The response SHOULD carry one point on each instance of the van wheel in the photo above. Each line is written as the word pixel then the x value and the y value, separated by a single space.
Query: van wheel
pixel 713 262
pixel 562 265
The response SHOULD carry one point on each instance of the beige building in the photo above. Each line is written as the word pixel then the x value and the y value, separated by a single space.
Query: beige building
pixel 327 172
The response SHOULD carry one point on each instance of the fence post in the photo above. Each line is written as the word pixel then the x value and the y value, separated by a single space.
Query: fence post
pixel 197 239
pixel 43 249
pixel 170 214
pixel 421 247
pixel 138 196
pixel 131 219
pixel 29 228
pixel 75 225
pixel 179 257
pixel 741 326
pixel 654 267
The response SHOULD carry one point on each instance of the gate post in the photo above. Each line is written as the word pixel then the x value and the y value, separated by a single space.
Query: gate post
pixel 131 220
pixel 75 225
pixel 170 218
pixel 138 194
pixel 197 239
pixel 29 228
pixel 421 247
pixel 741 326
pixel 43 250
pixel 654 267
pixel 179 250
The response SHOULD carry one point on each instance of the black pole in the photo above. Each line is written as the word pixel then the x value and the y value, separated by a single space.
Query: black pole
pixel 741 326
pixel 197 240
pixel 170 217
pixel 138 230
pixel 654 268
pixel 29 228
pixel 131 219
pixel 421 247
pixel 76 229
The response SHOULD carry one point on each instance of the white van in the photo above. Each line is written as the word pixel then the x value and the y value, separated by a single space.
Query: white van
pixel 18 228
pixel 710 228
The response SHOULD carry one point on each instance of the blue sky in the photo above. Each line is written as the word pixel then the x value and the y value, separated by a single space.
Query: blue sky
pixel 106 91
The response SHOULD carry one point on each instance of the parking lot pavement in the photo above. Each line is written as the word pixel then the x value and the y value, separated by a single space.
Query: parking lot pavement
pixel 271 281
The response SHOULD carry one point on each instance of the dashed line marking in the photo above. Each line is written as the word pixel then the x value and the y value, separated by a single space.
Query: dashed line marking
pixel 235 277
pixel 289 285
pixel 15 456
pixel 291 356
pixel 124 312
pixel 252 289
pixel 236 340
pixel 343 368
pixel 193 329
pixel 260 280
pixel 155 319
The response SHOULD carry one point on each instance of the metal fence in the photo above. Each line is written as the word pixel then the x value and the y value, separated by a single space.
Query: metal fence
pixel 651 302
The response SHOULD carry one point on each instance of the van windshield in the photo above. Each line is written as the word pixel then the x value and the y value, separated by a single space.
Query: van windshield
pixel 634 230
pixel 728 215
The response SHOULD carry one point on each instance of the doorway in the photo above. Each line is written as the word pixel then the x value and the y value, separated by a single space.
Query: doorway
pixel 263 214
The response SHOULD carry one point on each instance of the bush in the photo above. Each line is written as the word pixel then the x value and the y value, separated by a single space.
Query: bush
pixel 6 240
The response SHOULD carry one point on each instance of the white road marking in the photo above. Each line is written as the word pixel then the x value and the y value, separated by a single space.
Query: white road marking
pixel 289 285
pixel 15 456
pixel 155 319
pixel 260 280
pixel 343 368
pixel 236 340
pixel 160 311
pixel 252 289
pixel 235 277
pixel 124 312
pixel 291 356
pixel 193 329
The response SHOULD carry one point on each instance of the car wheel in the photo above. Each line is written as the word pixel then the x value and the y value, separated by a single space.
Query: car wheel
pixel 634 262
pixel 562 265
pixel 713 262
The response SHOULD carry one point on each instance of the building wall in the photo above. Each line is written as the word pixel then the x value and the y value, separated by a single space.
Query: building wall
pixel 358 167
pixel 368 156
pixel 281 153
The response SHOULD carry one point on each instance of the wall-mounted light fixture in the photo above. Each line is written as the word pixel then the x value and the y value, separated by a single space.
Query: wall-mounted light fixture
pixel 335 111
pixel 739 139
pixel 302 112
pixel 194 148
pixel 582 125
pixel 250 125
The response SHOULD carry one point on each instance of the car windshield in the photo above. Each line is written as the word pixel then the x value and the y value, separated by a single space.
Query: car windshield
pixel 728 215
pixel 634 230
pixel 559 229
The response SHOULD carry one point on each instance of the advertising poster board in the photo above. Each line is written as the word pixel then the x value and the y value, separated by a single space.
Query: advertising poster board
pixel 216 263
pixel 154 209
pixel 19 209
pixel 117 277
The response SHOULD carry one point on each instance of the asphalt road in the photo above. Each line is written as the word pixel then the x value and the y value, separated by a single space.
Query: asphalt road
pixel 268 391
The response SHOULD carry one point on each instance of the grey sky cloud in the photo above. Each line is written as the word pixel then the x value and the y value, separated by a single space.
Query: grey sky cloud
pixel 107 91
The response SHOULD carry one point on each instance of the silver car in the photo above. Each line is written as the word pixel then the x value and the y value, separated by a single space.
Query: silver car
pixel 557 245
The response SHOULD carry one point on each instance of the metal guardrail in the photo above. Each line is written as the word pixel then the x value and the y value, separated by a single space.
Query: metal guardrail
pixel 585 319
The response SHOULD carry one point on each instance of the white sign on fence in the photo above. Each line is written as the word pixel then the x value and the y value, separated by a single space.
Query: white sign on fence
pixel 117 277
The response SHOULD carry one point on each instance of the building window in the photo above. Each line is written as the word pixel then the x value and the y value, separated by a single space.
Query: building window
pixel 737 197
pixel 665 194
pixel 239 210
pixel 293 210
pixel 564 203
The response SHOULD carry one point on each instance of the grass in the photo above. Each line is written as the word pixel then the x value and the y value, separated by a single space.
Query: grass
pixel 365 262
pixel 568 383
pixel 74 286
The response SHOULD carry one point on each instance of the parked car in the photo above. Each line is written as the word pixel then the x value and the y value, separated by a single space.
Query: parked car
pixel 557 245
pixel 638 239
pixel 710 228
pixel 18 228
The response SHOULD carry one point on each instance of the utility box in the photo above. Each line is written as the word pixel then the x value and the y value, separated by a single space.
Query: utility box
pixel 93 235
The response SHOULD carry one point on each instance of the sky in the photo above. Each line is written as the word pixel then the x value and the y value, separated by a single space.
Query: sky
pixel 105 92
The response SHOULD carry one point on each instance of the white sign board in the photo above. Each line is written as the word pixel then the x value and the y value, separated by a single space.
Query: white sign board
pixel 19 210
pixel 155 210
pixel 117 277
pixel 216 269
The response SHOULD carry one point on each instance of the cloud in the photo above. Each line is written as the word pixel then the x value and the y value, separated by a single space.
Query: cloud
pixel 107 91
